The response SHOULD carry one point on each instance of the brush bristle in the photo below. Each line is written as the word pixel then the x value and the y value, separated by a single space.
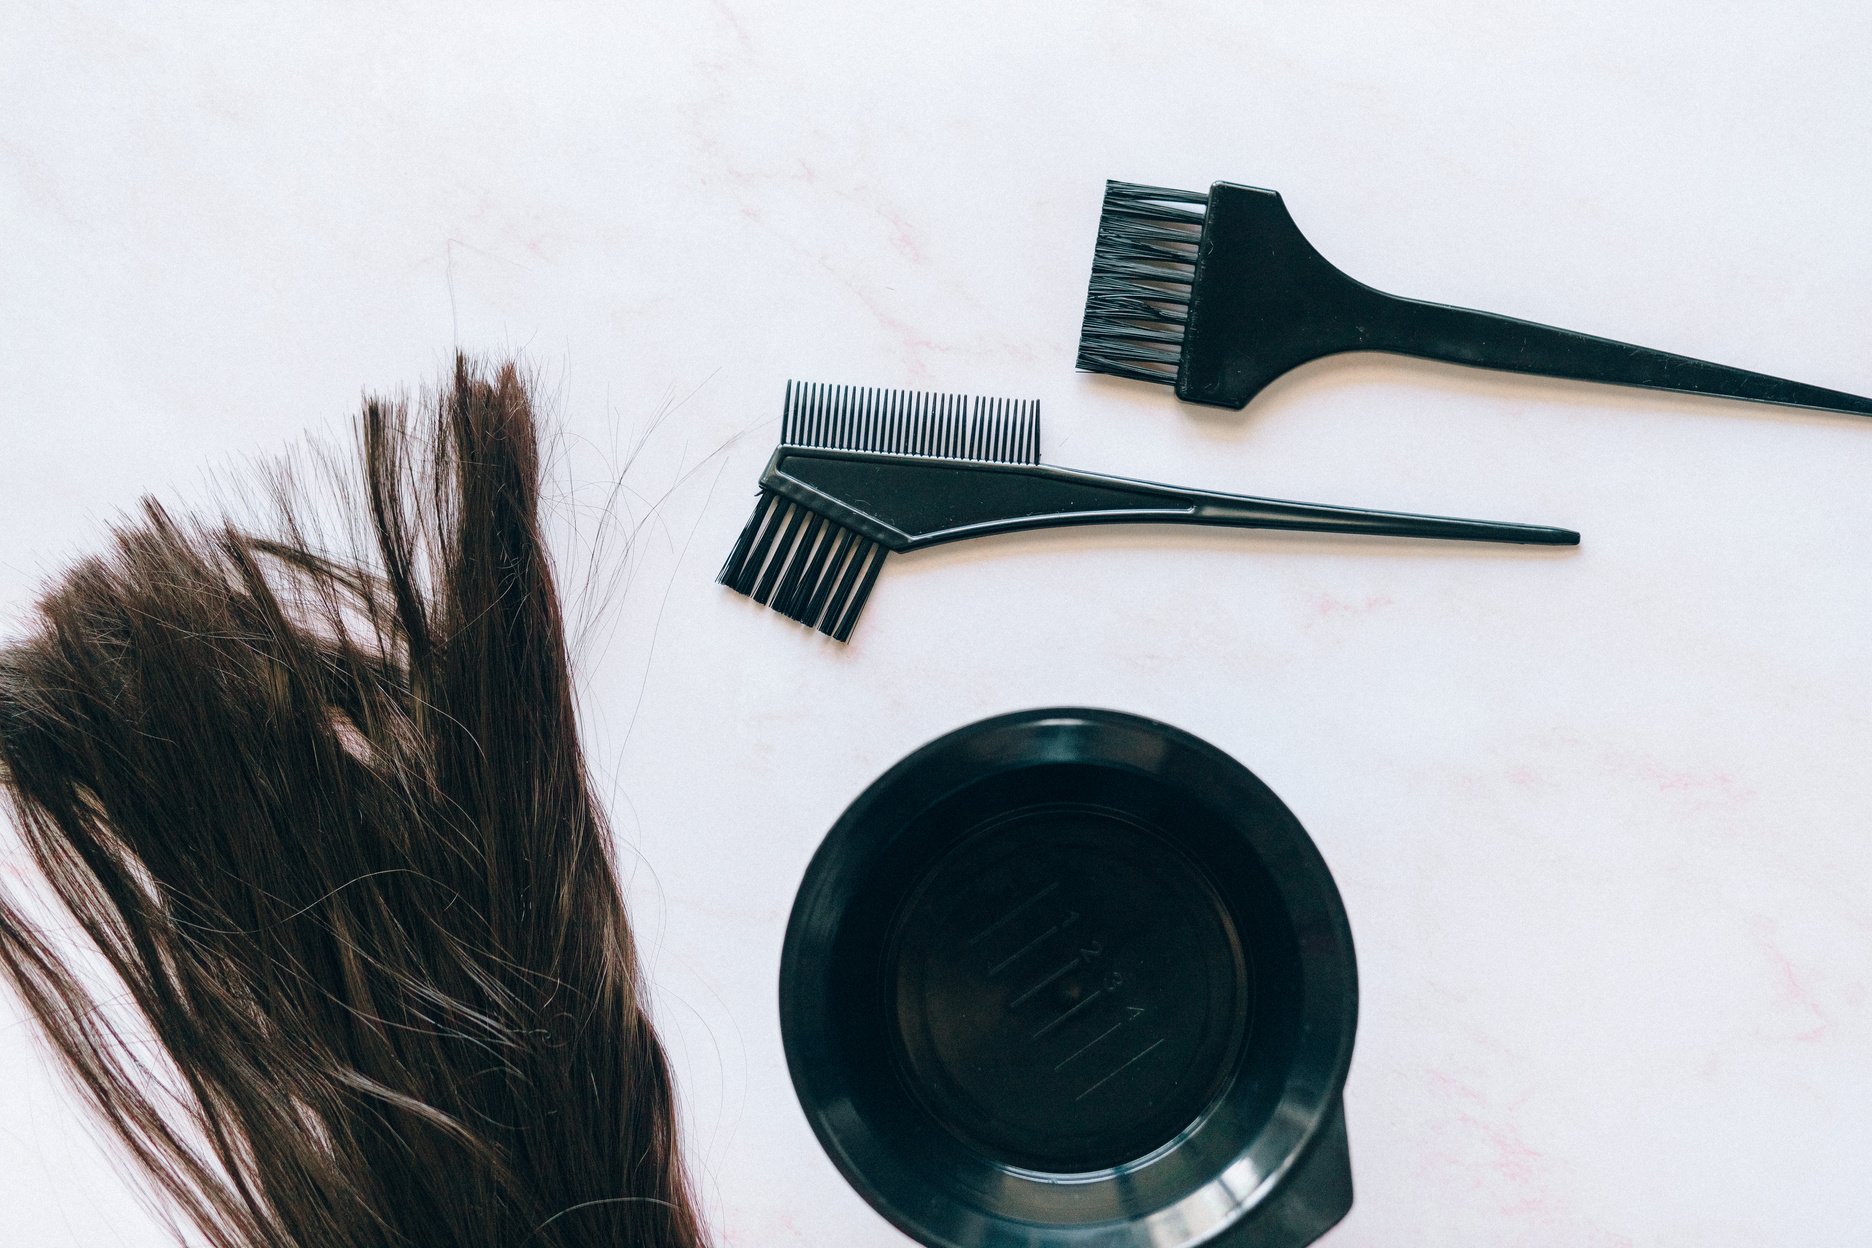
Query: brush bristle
pixel 1142 269
pixel 804 566
pixel 911 422
pixel 817 571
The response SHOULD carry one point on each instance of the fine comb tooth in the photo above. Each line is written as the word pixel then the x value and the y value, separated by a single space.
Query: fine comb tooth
pixel 809 415
pixel 907 422
pixel 793 431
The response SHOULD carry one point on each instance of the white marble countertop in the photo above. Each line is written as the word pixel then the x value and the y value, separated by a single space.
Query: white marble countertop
pixel 1599 817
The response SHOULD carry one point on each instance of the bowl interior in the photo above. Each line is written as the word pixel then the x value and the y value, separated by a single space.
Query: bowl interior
pixel 1067 990
pixel 1053 987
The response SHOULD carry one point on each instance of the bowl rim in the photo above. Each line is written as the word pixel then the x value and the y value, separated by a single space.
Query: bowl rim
pixel 1080 735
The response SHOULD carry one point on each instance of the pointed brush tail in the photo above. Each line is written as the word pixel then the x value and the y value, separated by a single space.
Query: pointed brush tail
pixel 1486 340
pixel 1267 513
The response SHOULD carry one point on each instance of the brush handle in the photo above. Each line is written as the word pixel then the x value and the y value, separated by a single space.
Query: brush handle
pixel 1272 513
pixel 1265 301
pixel 907 502
pixel 1485 340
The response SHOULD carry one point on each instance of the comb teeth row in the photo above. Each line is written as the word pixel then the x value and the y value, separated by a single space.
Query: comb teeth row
pixel 803 565
pixel 1142 269
pixel 911 422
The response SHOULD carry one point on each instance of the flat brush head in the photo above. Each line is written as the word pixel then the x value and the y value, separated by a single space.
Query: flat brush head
pixel 815 570
pixel 1143 268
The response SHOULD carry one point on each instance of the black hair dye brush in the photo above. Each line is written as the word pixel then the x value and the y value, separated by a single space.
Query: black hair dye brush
pixel 860 473
pixel 1219 294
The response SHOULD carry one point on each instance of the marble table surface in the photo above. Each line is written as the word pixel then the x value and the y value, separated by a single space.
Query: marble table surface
pixel 1599 816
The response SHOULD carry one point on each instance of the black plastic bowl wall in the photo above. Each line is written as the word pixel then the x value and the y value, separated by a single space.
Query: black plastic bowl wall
pixel 1075 977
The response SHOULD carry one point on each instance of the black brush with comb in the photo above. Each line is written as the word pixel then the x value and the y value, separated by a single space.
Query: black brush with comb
pixel 860 473
pixel 1219 294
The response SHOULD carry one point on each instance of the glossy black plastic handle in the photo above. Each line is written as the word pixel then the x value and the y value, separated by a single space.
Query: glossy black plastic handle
pixel 906 502
pixel 1265 301
pixel 1486 340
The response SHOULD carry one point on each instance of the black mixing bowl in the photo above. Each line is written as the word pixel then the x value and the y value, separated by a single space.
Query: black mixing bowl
pixel 1073 977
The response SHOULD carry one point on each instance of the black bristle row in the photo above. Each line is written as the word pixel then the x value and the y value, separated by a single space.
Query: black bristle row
pixel 911 422
pixel 1142 269
pixel 804 566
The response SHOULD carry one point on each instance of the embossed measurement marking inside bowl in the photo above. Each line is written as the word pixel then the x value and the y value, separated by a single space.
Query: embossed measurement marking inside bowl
pixel 1069 992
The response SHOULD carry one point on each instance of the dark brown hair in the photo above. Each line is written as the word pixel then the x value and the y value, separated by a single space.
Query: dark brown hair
pixel 325 816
